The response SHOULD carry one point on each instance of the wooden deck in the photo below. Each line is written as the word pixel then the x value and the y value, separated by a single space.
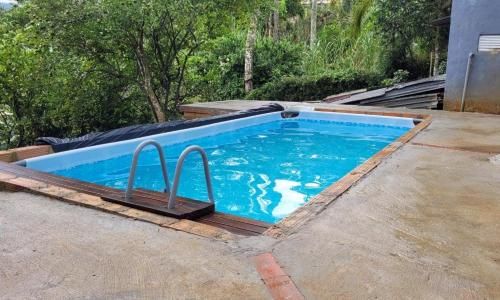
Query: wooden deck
pixel 155 202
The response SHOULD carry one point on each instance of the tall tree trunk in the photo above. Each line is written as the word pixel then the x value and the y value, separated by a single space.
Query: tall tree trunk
pixel 269 26
pixel 146 84
pixel 17 114
pixel 276 20
pixel 436 54
pixel 249 52
pixel 314 13
pixel 431 60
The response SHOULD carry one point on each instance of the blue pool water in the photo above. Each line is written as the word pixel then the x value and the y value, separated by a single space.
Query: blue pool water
pixel 263 172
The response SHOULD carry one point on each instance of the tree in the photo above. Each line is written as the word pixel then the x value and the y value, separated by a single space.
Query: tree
pixel 314 17
pixel 405 27
pixel 45 91
pixel 443 8
pixel 249 52
pixel 276 19
pixel 18 96
pixel 147 43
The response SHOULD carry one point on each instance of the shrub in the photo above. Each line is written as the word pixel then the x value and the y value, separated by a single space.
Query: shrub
pixel 400 76
pixel 309 88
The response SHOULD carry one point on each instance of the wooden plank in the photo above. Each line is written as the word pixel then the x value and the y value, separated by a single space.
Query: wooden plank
pixel 232 224
pixel 235 224
pixel 244 220
pixel 146 200
pixel 7 156
pixel 16 154
pixel 229 228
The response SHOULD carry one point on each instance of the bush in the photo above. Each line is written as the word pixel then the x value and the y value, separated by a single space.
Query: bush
pixel 310 88
pixel 400 76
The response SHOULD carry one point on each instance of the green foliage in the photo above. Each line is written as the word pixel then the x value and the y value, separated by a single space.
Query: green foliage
pixel 48 92
pixel 311 88
pixel 293 8
pixel 359 13
pixel 406 32
pixel 400 76
pixel 71 67
pixel 217 71
pixel 350 43
pixel 144 43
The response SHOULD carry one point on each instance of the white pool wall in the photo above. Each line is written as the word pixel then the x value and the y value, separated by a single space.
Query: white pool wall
pixel 72 158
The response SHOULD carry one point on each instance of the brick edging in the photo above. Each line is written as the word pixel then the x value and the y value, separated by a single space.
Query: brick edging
pixel 279 284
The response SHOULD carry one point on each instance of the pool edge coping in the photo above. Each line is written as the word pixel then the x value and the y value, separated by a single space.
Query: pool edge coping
pixel 321 201
pixel 17 183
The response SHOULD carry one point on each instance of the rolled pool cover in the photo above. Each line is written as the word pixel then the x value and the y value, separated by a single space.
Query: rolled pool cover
pixel 137 131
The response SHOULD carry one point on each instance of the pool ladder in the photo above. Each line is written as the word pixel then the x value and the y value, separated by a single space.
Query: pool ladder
pixel 178 170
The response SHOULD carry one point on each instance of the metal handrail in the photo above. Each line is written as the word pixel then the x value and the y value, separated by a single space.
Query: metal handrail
pixel 131 178
pixel 466 83
pixel 178 171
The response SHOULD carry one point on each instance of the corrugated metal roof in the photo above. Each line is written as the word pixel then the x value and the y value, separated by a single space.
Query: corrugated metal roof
pixel 423 93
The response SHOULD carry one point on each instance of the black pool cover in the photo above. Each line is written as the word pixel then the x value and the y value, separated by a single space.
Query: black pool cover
pixel 137 131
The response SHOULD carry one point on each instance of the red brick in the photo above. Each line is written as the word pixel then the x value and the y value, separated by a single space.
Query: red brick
pixel 277 281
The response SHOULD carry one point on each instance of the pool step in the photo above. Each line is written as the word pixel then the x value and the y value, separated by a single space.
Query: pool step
pixel 157 203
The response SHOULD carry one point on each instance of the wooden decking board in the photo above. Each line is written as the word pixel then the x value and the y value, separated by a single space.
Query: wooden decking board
pixel 229 228
pixel 240 222
pixel 235 224
pixel 146 200
pixel 184 207
pixel 60 181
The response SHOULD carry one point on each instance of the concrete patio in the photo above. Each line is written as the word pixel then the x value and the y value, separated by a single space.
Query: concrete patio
pixel 424 224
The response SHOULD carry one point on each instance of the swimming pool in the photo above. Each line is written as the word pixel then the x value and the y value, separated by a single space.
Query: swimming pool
pixel 262 167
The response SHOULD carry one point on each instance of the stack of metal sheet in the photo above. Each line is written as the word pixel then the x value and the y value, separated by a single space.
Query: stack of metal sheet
pixel 425 93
